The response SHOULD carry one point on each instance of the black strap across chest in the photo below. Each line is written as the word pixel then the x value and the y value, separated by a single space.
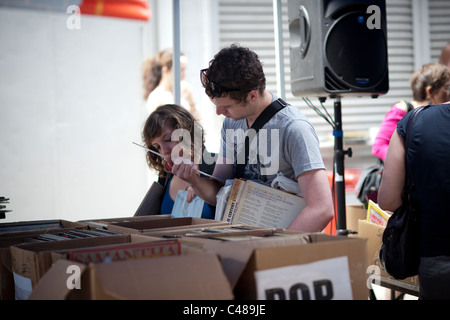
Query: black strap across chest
pixel 262 119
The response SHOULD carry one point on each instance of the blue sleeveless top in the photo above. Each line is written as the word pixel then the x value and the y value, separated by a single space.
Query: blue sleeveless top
pixel 167 205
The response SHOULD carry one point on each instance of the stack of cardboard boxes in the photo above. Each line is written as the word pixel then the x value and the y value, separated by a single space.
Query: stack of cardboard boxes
pixel 359 220
pixel 163 258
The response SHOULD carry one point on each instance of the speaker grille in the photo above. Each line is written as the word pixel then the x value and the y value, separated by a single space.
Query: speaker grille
pixel 356 56
pixel 332 83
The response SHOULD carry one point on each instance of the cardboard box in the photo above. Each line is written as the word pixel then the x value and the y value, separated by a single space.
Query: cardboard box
pixel 25 228
pixel 103 223
pixel 241 259
pixel 185 277
pixel 354 212
pixel 149 225
pixel 208 231
pixel 374 235
pixel 20 232
pixel 138 248
pixel 31 261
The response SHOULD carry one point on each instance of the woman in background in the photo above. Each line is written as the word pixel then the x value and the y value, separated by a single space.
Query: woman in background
pixel 428 160
pixel 158 82
pixel 426 84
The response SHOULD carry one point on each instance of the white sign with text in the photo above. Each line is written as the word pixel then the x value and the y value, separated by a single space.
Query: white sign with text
pixel 322 280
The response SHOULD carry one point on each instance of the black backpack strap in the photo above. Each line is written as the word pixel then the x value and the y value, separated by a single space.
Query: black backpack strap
pixel 268 113
pixel 262 119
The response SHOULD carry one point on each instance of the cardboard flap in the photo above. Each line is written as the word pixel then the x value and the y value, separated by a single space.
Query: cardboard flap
pixel 53 285
pixel 235 255
pixel 185 277
pixel 234 258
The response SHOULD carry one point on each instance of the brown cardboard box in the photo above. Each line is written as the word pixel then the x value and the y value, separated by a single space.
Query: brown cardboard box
pixel 241 259
pixel 103 223
pixel 146 226
pixel 139 247
pixel 374 235
pixel 31 261
pixel 18 233
pixel 208 231
pixel 24 228
pixel 354 213
pixel 185 277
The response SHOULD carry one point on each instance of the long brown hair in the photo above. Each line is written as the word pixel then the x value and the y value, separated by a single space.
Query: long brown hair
pixel 152 69
pixel 176 117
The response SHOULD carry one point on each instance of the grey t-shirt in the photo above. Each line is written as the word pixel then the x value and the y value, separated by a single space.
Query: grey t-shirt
pixel 286 144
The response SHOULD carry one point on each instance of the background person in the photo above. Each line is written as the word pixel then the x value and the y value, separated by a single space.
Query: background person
pixel 429 85
pixel 158 82
pixel 445 55
pixel 236 84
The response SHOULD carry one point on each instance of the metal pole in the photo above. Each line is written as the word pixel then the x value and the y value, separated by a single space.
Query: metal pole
pixel 279 56
pixel 339 169
pixel 176 52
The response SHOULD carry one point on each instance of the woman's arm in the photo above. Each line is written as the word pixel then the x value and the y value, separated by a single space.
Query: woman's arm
pixel 393 179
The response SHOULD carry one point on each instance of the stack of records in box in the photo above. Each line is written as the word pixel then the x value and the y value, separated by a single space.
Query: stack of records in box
pixel 71 234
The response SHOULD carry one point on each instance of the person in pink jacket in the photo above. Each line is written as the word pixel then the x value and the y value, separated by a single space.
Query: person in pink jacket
pixel 430 85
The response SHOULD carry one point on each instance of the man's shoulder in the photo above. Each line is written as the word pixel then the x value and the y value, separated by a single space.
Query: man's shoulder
pixel 290 115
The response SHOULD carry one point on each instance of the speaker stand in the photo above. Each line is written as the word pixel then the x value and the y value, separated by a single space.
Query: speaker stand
pixel 340 153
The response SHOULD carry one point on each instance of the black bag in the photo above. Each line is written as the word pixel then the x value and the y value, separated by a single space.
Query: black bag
pixel 371 183
pixel 151 204
pixel 399 253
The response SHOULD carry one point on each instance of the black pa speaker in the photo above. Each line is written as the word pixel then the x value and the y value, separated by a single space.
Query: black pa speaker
pixel 338 48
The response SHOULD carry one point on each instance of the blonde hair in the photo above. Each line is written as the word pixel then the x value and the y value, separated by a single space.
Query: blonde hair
pixel 152 69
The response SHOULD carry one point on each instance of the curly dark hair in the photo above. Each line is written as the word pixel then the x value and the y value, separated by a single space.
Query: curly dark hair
pixel 178 118
pixel 235 71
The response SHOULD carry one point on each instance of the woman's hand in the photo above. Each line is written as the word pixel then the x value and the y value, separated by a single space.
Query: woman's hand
pixel 190 194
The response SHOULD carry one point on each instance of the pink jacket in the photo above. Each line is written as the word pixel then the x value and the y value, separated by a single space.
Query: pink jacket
pixel 389 124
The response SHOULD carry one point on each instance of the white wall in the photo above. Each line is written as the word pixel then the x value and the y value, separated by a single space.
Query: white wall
pixel 70 107
pixel 199 41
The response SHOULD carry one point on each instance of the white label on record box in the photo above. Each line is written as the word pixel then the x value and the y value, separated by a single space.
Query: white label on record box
pixel 322 280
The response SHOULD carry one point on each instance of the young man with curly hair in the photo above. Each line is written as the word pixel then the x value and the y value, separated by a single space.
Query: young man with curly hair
pixel 286 145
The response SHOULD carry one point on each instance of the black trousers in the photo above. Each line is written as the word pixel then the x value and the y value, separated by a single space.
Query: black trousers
pixel 434 278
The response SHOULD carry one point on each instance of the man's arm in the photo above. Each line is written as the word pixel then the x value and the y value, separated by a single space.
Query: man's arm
pixel 319 208
pixel 205 188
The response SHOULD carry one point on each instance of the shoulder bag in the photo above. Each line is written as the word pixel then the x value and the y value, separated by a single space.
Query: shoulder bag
pixel 368 188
